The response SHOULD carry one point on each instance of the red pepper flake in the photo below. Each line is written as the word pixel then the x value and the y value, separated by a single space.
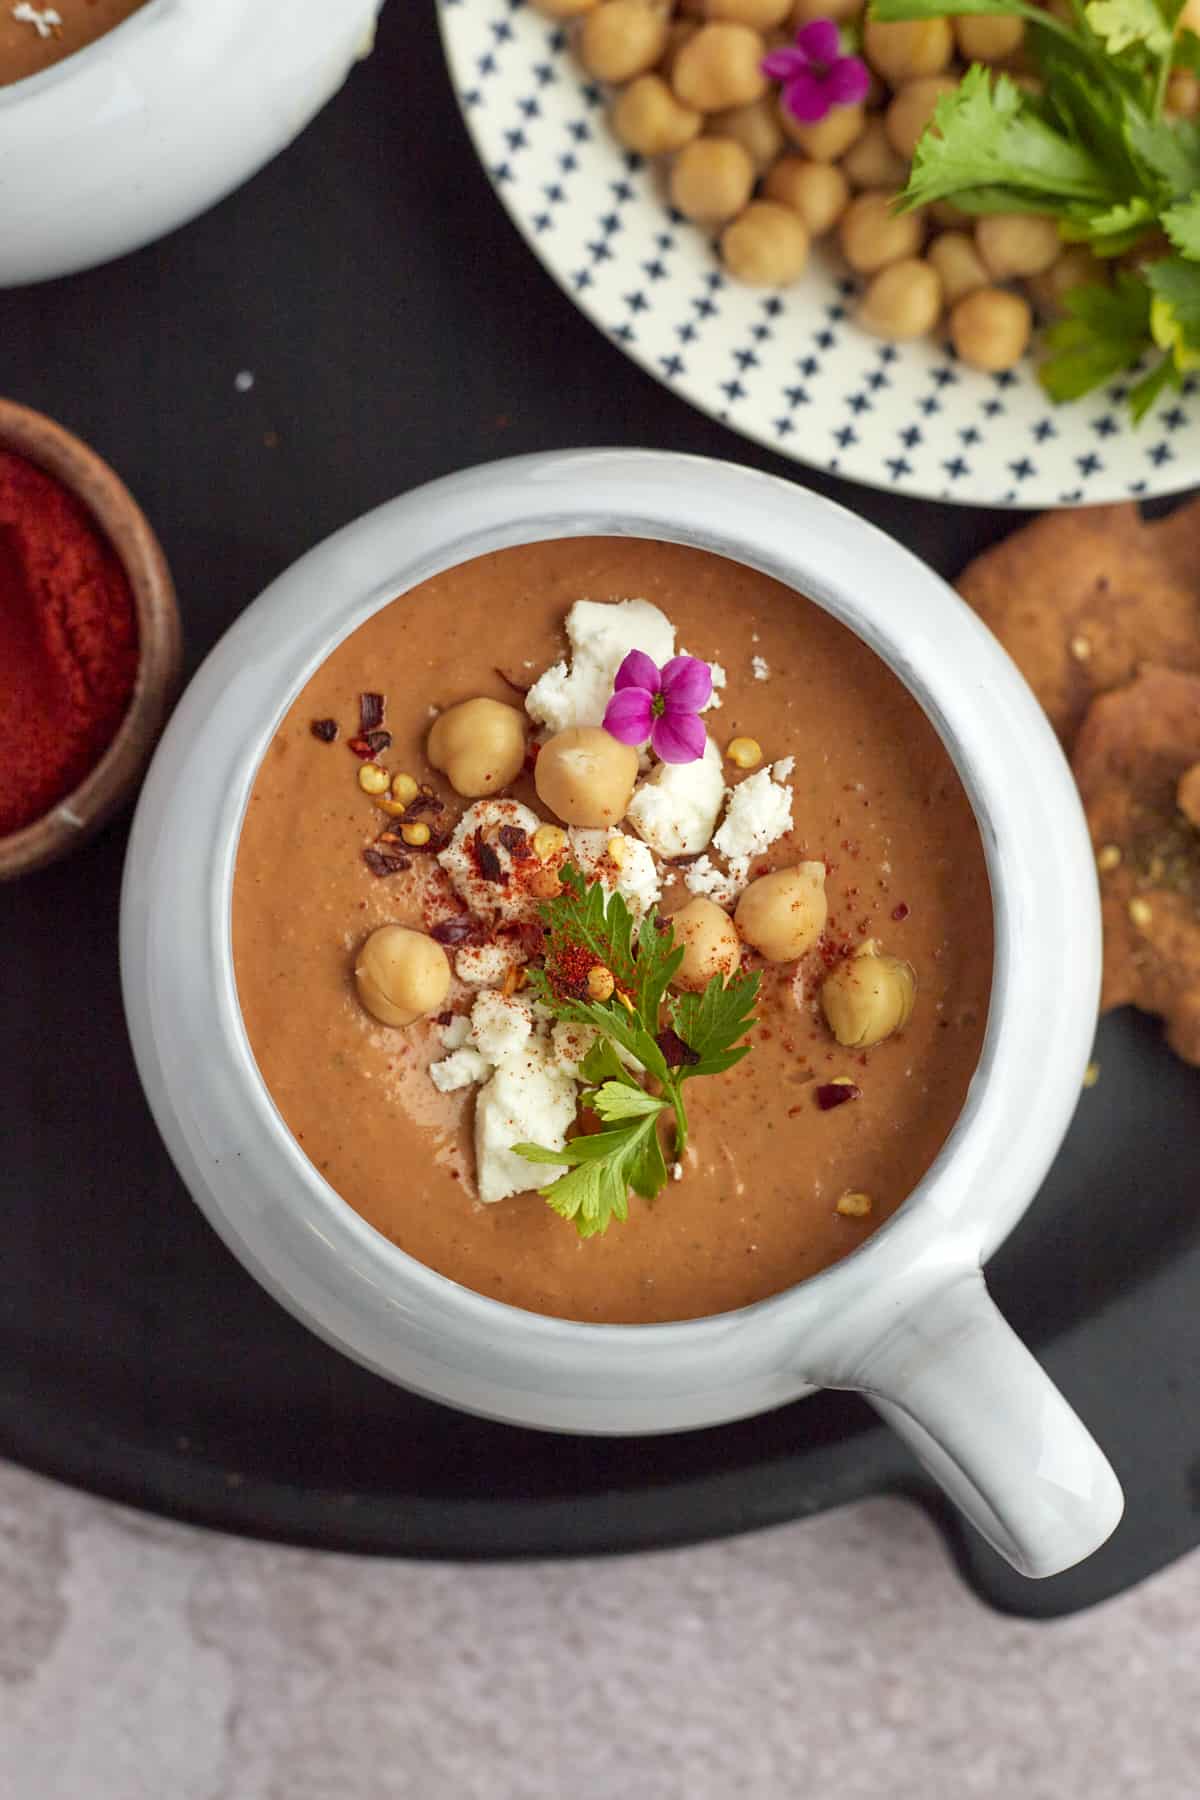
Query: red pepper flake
pixel 836 1093
pixel 900 912
pixel 360 747
pixel 530 934
pixel 490 866
pixel 515 841
pixel 378 741
pixel 424 802
pixel 325 729
pixel 463 928
pixel 370 712
pixel 385 862
pixel 569 969
pixel 676 1053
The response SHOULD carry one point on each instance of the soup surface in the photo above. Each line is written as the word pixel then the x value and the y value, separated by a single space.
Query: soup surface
pixel 875 797
pixel 33 35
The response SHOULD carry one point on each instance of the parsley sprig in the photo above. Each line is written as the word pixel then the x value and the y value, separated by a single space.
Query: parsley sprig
pixel 1095 151
pixel 701 1034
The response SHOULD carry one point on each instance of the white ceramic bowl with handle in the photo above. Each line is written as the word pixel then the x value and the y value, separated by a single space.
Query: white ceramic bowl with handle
pixel 150 124
pixel 906 1319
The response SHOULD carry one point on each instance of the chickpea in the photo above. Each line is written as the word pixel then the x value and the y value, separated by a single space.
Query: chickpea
pixel 958 264
pixel 647 117
pixel 871 235
pixel 563 9
pixel 760 15
pixel 755 127
pixel 1017 244
pixel 767 246
pixel 868 997
pixel 903 301
pixel 909 49
pixel 711 180
pixel 585 776
pixel 872 163
pixel 912 110
pixel 830 137
pixel 990 329
pixel 479 745
pixel 719 68
pixel 782 915
pixel 621 39
pixel 1183 95
pixel 1074 267
pixel 401 975
pixel 987 39
pixel 709 942
pixel 817 191
pixel 679 33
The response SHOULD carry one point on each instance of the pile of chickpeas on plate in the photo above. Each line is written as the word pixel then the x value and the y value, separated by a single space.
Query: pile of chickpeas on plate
pixel 688 87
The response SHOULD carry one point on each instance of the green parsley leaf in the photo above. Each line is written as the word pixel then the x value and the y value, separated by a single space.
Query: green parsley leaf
pixel 626 1153
pixel 1120 23
pixel 1106 331
pixel 1109 230
pixel 711 1022
pixel 605 1165
pixel 1175 311
pixel 985 134
pixel 1145 392
pixel 1181 223
pixel 1167 154
pixel 1187 51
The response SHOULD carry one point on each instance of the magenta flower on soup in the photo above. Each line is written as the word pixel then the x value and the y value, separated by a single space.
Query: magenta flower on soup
pixel 660 707
pixel 814 73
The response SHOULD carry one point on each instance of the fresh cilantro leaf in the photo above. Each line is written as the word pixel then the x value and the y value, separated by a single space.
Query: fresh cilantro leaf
pixel 1120 23
pixel 1181 223
pixel 1101 227
pixel 985 134
pixel 1167 154
pixel 1145 392
pixel 658 959
pixel 711 1022
pixel 1106 331
pixel 1175 311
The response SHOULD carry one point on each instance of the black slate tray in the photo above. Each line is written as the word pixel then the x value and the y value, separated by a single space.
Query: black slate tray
pixel 397 329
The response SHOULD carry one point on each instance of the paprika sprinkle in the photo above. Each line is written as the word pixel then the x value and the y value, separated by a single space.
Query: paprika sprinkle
pixel 68 643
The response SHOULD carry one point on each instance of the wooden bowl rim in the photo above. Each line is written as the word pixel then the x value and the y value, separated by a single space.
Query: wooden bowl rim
pixel 120 519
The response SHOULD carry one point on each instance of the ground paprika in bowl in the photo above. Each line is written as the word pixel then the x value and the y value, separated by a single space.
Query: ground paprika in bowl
pixel 89 641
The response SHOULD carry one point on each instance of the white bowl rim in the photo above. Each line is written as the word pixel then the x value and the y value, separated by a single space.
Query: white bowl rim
pixel 963 1208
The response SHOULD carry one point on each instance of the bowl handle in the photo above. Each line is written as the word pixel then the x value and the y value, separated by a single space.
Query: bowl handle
pixel 955 1381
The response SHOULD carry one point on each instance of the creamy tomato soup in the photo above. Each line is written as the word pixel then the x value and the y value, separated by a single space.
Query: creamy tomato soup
pixel 34 34
pixel 796 1154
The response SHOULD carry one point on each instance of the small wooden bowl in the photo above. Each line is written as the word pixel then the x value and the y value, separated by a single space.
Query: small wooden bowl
pixel 121 520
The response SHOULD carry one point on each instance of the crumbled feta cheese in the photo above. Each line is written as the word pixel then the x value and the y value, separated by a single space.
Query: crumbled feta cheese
pixel 676 1171
pixel 455 1034
pixel 782 770
pixel 459 1070
pixel 628 870
pixel 486 965
pixel 761 667
pixel 505 899
pixel 500 1024
pixel 704 878
pixel 601 635
pixel 570 1043
pixel 676 807
pixel 759 812
pixel 529 1099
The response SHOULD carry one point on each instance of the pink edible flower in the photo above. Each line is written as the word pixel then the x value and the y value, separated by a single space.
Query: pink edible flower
pixel 815 75
pixel 660 706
